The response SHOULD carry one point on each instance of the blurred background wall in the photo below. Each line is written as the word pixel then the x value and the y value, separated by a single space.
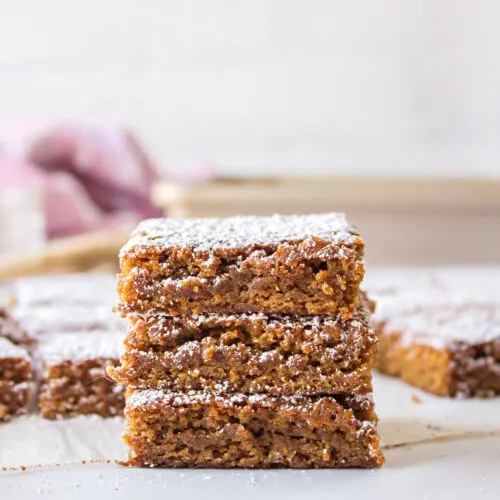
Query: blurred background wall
pixel 267 86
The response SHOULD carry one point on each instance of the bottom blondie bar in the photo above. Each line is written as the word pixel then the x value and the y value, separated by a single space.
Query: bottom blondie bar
pixel 206 429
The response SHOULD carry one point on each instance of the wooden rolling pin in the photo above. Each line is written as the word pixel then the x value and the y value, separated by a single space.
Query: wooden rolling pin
pixel 73 254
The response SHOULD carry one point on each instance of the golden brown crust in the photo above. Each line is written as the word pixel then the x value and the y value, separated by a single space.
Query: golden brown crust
pixel 421 366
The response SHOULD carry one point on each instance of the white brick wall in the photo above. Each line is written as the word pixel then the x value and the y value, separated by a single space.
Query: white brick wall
pixel 377 86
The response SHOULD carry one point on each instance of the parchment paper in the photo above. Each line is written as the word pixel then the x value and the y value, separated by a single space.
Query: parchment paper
pixel 407 415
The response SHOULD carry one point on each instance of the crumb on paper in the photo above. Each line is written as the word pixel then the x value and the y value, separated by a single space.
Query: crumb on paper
pixel 433 427
pixel 416 399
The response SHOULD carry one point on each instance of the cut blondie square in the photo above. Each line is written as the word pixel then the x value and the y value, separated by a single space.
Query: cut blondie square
pixel 250 353
pixel 444 344
pixel 310 264
pixel 74 380
pixel 15 378
pixel 204 429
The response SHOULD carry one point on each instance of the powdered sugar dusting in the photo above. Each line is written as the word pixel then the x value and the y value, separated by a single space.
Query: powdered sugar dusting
pixel 11 329
pixel 57 348
pixel 239 232
pixel 150 396
pixel 438 323
pixel 84 288
pixel 407 300
pixel 68 318
pixel 10 350
pixel 359 320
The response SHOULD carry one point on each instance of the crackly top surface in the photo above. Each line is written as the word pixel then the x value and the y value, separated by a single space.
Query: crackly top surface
pixel 138 399
pixel 239 232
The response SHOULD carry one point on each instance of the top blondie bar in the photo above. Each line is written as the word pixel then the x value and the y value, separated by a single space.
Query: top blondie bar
pixel 308 264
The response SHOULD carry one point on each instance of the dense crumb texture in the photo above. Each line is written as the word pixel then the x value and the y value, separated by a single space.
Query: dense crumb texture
pixel 250 353
pixel 202 429
pixel 449 348
pixel 82 388
pixel 15 376
pixel 275 265
pixel 74 380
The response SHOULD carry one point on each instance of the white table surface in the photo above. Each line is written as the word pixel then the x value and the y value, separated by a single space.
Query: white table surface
pixel 446 470
pixel 459 458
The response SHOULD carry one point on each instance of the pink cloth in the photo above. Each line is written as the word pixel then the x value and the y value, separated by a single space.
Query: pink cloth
pixel 90 179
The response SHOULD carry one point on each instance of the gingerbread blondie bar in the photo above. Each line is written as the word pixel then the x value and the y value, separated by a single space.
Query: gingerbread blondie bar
pixel 250 353
pixel 15 377
pixel 449 346
pixel 311 264
pixel 74 380
pixel 203 429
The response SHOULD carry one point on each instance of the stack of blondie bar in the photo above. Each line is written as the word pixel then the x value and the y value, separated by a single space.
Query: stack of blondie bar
pixel 249 344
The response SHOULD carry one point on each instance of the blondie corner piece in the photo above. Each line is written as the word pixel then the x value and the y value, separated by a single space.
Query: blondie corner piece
pixel 12 330
pixel 203 429
pixel 15 377
pixel 448 348
pixel 74 380
pixel 310 264
pixel 250 353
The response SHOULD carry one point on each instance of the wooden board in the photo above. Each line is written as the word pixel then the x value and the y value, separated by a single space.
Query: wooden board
pixel 75 254
pixel 403 221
